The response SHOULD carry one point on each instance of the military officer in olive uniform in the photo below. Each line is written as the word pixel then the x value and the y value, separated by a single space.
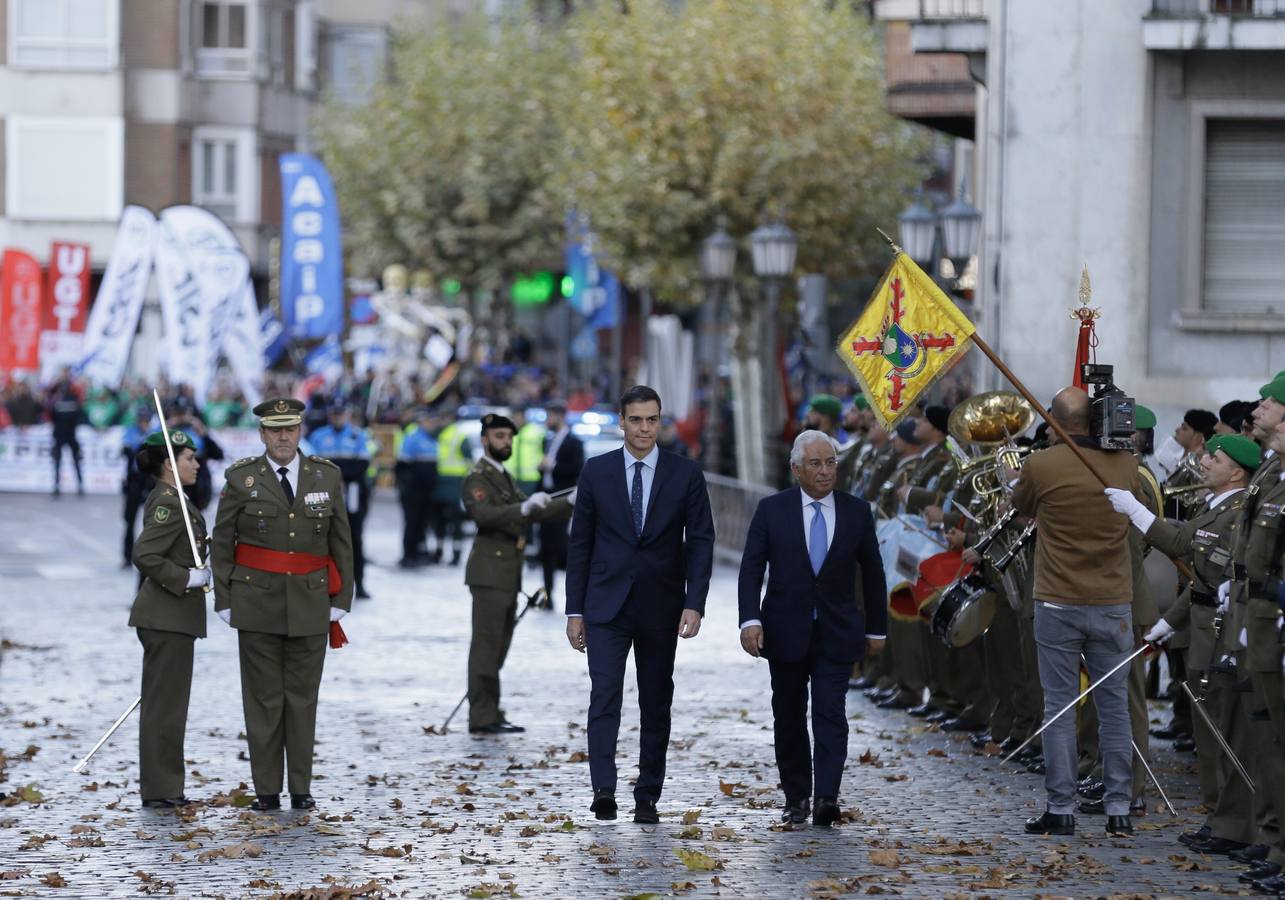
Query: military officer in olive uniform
pixel 169 613
pixel 1204 542
pixel 493 573
pixel 283 571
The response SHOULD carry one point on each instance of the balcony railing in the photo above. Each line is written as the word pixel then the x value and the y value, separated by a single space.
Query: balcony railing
pixel 938 10
pixel 1184 9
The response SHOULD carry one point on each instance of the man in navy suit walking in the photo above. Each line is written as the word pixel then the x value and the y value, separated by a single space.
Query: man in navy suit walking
pixel 638 568
pixel 825 607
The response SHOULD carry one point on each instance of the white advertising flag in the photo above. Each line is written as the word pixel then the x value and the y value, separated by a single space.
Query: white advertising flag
pixel 113 320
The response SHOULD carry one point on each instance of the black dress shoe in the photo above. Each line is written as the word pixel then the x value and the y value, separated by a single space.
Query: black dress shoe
pixel 1036 766
pixel 302 801
pixel 1166 732
pixel 922 711
pixel 1030 753
pixel 1274 884
pixel 1254 853
pixel 957 724
pixel 862 683
pixel 1217 845
pixel 826 813
pixel 1185 743
pixel 796 813
pixel 166 803
pixel 1119 825
pixel 604 804
pixel 940 716
pixel 1051 824
pixel 1187 838
pixel 510 728
pixel 1012 743
pixel 1260 872
pixel 493 728
pixel 362 594
pixel 877 694
pixel 265 802
pixel 893 702
pixel 645 813
pixel 981 739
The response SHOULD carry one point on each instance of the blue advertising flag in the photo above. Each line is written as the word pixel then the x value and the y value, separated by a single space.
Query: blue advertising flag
pixel 272 337
pixel 326 359
pixel 595 292
pixel 312 290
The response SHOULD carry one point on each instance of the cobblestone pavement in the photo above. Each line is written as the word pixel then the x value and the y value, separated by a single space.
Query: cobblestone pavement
pixel 408 812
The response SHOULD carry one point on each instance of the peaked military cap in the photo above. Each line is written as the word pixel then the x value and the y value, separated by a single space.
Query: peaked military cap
pixel 495 420
pixel 1239 448
pixel 280 412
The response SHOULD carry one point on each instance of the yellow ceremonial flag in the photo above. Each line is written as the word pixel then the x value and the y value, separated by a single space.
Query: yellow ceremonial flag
pixel 908 336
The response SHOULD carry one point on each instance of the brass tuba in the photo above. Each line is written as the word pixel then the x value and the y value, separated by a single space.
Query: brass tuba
pixel 991 420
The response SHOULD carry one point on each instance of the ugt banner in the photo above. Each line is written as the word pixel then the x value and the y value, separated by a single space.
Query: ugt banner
pixel 66 308
pixel 19 312
pixel 312 291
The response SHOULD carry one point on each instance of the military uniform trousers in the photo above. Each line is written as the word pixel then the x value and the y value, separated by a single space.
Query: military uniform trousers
pixel 494 615
pixel 1236 809
pixel 1264 661
pixel 1208 752
pixel 162 724
pixel 280 678
pixel 1003 666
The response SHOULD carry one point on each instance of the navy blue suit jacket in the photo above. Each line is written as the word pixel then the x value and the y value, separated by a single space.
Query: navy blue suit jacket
pixel 670 561
pixel 848 594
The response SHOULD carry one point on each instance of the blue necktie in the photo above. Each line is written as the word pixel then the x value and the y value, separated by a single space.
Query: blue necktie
pixel 636 500
pixel 816 538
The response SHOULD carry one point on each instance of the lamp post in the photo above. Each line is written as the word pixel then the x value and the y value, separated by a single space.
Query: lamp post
pixel 717 264
pixel 773 249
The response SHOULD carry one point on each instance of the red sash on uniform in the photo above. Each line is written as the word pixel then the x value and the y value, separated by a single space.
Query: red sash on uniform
pixel 283 562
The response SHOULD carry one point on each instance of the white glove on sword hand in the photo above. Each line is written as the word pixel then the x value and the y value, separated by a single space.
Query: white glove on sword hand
pixel 1159 633
pixel 1224 596
pixel 538 500
pixel 1124 502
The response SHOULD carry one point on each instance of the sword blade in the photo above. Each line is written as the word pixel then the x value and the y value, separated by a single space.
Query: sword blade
pixel 1070 706
pixel 80 766
pixel 1198 706
pixel 1152 775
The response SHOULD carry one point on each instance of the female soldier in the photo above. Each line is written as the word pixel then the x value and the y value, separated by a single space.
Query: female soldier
pixel 169 613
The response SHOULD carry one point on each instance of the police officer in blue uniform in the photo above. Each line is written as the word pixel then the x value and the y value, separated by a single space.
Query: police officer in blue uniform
pixel 350 447
pixel 416 471
pixel 136 484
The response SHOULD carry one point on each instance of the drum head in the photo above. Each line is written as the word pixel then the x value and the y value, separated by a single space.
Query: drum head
pixel 972 619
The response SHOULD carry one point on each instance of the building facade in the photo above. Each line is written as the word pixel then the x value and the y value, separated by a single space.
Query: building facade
pixel 1144 139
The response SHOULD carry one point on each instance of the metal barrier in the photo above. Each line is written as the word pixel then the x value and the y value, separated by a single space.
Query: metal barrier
pixel 733 503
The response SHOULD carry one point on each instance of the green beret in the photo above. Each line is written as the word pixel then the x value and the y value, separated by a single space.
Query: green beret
pixel 180 440
pixel 860 402
pixel 1274 389
pixel 1143 417
pixel 827 405
pixel 1241 449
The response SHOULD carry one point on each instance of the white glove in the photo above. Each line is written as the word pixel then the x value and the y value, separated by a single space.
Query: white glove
pixel 1159 633
pixel 538 500
pixel 225 615
pixel 1124 502
pixel 336 613
pixel 571 497
pixel 199 578
pixel 1242 639
pixel 1224 596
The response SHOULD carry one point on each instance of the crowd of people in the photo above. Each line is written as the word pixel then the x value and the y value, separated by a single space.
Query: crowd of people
pixel 1071 589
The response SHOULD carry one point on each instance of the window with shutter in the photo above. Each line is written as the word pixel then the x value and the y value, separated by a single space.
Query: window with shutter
pixel 1244 217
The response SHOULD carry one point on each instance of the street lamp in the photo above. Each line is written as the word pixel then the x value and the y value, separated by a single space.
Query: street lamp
pixel 918 231
pixel 960 223
pixel 773 249
pixel 717 264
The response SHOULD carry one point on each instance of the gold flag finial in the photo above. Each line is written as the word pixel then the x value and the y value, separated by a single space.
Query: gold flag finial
pixel 1084 312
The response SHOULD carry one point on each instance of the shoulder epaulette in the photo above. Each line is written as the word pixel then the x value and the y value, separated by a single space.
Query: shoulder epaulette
pixel 242 462
pixel 322 459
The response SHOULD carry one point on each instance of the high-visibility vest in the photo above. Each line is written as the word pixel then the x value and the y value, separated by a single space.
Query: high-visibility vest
pixel 451 460
pixel 528 450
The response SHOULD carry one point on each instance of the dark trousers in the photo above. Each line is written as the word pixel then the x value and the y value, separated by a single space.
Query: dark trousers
pixel 553 551
pixel 162 721
pixel 357 522
pixel 415 519
pixel 280 678
pixel 828 750
pixel 494 615
pixel 607 645
pixel 448 516
pixel 74 446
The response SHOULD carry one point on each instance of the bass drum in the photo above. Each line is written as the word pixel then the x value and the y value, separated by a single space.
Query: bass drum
pixel 964 612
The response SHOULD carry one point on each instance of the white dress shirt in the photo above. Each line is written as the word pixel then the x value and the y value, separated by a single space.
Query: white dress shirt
pixel 648 476
pixel 1214 501
pixel 292 472
pixel 827 515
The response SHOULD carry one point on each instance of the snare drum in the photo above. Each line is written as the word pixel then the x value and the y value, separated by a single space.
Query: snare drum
pixel 964 612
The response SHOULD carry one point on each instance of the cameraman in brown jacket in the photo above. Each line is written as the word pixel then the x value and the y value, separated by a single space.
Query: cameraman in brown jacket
pixel 1083 592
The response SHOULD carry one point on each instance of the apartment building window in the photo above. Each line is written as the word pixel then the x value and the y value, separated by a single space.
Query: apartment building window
pixel 224 38
pixel 279 38
pixel 63 34
pixel 222 161
pixel 354 59
pixel 1244 217
pixel 64 168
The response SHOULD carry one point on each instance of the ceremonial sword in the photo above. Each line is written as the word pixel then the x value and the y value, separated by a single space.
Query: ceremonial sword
pixel 182 497
pixel 80 766
pixel 1196 704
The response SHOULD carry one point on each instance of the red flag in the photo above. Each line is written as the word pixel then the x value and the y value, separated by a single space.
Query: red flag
pixel 68 305
pixel 19 311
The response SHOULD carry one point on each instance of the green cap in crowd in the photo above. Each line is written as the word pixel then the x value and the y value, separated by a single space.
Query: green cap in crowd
pixel 1143 417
